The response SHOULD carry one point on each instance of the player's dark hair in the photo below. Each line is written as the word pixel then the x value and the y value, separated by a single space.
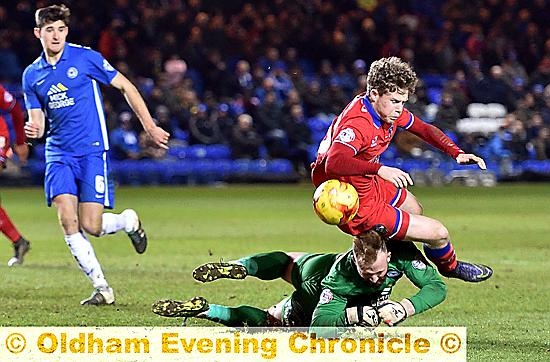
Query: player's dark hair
pixel 389 74
pixel 51 14
pixel 367 246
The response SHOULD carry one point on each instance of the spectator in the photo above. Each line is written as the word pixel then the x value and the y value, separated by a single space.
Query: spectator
pixel 316 101
pixel 447 116
pixel 245 140
pixel 225 121
pixel 299 138
pixel 270 125
pixel 337 98
pixel 203 129
pixel 124 139
pixel 163 118
pixel 541 144
pixel 516 141
pixel 243 77
pixel 542 74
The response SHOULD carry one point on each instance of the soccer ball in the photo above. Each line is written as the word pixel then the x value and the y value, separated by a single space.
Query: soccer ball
pixel 335 202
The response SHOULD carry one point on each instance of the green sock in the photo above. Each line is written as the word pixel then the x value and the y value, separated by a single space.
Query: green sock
pixel 237 316
pixel 266 266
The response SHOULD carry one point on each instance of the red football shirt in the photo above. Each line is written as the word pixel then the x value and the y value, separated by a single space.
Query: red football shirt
pixel 9 104
pixel 360 129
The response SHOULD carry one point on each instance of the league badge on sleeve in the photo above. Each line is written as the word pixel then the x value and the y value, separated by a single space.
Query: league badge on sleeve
pixel 346 135
pixel 418 264
pixel 326 296
pixel 107 66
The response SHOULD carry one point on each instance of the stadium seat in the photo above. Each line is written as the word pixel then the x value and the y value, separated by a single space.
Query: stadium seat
pixel 496 110
pixel 477 110
pixel 434 94
pixel 218 152
pixel 537 167
pixel 177 151
pixel 478 125
pixel 180 134
pixel 280 166
pixel 434 80
pixel 196 151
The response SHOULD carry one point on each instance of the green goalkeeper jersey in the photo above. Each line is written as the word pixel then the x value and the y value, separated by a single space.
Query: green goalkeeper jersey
pixel 343 286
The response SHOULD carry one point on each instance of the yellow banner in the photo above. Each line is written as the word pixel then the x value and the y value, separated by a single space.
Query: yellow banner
pixel 134 344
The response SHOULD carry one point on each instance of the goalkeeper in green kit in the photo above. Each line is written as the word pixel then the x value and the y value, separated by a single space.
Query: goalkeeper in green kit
pixel 331 290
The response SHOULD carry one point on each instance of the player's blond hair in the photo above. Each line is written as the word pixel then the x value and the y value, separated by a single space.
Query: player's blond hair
pixel 390 74
pixel 367 246
pixel 51 14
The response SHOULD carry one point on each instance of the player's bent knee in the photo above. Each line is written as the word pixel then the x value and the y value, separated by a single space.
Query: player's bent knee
pixel 91 228
pixel 441 233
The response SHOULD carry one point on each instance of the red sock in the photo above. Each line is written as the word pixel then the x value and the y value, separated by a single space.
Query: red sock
pixel 444 258
pixel 7 227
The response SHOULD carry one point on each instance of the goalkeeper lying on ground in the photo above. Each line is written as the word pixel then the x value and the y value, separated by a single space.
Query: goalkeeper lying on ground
pixel 347 289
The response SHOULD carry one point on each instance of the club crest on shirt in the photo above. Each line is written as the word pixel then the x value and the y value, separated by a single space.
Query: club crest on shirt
pixel 419 265
pixel 326 296
pixel 72 72
pixel 346 135
pixel 374 141
pixel 108 67
pixel 395 274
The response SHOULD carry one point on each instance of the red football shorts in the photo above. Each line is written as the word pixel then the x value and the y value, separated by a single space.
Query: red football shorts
pixel 380 205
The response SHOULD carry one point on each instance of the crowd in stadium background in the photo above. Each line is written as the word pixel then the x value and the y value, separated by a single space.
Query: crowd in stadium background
pixel 203 65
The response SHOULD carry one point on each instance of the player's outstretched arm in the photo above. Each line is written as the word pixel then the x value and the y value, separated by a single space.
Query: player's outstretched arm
pixel 471 159
pixel 159 136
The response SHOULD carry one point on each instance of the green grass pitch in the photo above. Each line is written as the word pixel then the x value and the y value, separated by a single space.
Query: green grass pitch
pixel 507 227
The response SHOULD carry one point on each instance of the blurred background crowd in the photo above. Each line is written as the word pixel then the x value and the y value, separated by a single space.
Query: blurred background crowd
pixel 266 77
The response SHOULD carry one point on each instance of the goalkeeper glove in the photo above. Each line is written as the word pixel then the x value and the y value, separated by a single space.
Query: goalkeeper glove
pixel 364 316
pixel 392 313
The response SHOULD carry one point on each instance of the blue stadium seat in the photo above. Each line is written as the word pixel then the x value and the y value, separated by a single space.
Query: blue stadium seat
pixel 434 94
pixel 240 166
pixel 177 151
pixel 180 134
pixel 434 80
pixel 218 152
pixel 280 167
pixel 196 151
pixel 535 166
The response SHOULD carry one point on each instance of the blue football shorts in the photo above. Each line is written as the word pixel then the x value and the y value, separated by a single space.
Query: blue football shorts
pixel 87 177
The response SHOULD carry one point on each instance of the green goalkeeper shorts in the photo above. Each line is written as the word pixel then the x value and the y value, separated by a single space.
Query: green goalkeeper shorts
pixel 307 274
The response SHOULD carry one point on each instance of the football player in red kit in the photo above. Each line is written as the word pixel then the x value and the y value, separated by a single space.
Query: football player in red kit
pixel 350 152
pixel 8 103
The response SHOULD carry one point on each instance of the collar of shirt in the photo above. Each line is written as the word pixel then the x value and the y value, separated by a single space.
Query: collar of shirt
pixel 64 55
pixel 376 120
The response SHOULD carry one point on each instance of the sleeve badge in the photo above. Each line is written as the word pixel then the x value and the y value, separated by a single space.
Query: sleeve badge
pixel 419 265
pixel 346 135
pixel 326 296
